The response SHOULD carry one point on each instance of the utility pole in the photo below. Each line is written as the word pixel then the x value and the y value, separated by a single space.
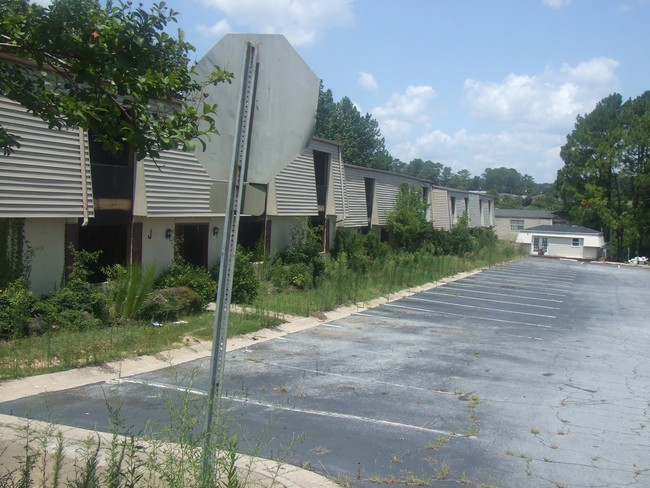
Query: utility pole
pixel 236 183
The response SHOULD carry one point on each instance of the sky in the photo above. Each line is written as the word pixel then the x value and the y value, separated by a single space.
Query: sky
pixel 472 84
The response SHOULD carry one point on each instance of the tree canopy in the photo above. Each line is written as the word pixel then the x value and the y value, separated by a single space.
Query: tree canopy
pixel 605 181
pixel 359 135
pixel 112 70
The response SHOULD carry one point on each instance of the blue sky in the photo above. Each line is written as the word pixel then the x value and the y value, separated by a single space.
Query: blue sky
pixel 469 83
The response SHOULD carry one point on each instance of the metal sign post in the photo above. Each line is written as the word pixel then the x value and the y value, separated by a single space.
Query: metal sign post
pixel 227 265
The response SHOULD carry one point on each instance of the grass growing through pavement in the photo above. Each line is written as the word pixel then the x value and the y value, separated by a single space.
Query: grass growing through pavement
pixel 66 350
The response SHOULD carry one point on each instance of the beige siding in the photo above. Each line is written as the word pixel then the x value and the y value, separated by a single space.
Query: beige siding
pixel 441 208
pixel 336 179
pixel 175 185
pixel 474 210
pixel 355 194
pixel 504 231
pixel 44 177
pixel 295 187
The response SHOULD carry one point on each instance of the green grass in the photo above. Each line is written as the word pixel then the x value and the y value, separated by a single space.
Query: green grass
pixel 66 350
pixel 343 286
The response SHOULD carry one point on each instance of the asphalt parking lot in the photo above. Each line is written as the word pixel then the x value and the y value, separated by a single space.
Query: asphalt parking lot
pixel 531 374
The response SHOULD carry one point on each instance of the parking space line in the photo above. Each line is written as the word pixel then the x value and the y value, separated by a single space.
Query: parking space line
pixel 451 287
pixel 466 305
pixel 345 416
pixel 307 411
pixel 429 311
pixel 489 300
pixel 525 283
pixel 519 289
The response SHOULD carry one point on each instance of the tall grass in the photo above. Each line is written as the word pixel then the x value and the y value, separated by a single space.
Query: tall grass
pixel 128 289
pixel 64 350
pixel 342 285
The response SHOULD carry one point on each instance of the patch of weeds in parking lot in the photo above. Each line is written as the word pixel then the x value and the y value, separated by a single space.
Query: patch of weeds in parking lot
pixel 443 472
pixel 440 443
pixel 343 482
pixel 535 430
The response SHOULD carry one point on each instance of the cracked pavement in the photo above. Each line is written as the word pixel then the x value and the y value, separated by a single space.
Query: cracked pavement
pixel 531 374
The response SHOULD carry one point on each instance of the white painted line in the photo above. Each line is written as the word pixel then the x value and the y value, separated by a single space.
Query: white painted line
pixel 320 413
pixel 333 326
pixel 429 311
pixel 451 287
pixel 465 305
pixel 345 416
pixel 518 289
pixel 489 300
pixel 522 283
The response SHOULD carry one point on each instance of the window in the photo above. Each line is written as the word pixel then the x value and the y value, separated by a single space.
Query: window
pixel 575 242
pixel 516 225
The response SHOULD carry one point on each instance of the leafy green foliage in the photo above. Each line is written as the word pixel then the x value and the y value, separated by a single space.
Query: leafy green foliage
pixel 170 303
pixel 407 223
pixel 359 135
pixel 128 288
pixel 301 264
pixel 115 71
pixel 15 253
pixel 605 181
pixel 245 281
pixel 183 274
pixel 77 305
pixel 16 302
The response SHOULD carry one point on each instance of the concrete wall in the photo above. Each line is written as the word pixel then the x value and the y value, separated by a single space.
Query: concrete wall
pixel 46 238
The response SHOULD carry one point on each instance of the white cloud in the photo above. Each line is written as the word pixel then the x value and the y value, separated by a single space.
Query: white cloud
pixel 525 117
pixel 301 21
pixel 550 100
pixel 557 3
pixel 403 110
pixel 217 30
pixel 368 82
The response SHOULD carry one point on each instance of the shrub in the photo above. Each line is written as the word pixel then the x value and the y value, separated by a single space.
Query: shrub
pixel 183 274
pixel 352 245
pixel 76 306
pixel 245 283
pixel 16 302
pixel 291 275
pixel 127 288
pixel 170 303
pixel 303 259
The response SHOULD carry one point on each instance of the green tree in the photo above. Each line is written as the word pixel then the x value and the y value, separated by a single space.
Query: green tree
pixel 359 135
pixel 112 70
pixel 407 222
pixel 589 183
pixel 635 177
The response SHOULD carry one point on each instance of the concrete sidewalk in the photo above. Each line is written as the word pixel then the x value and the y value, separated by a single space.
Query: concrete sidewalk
pixel 259 472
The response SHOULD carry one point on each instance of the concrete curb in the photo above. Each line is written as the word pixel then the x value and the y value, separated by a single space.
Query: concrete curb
pixel 262 473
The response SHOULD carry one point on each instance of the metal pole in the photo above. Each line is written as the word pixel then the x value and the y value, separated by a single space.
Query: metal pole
pixel 227 265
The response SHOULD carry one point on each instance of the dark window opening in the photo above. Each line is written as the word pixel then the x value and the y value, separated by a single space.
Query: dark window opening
pixel 252 236
pixel 100 155
pixel 321 173
pixel 112 240
pixel 192 242
pixel 370 197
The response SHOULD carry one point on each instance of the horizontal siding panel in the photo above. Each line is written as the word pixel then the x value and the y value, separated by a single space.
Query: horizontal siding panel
pixel 355 195
pixel 295 187
pixel 176 185
pixel 42 178
pixel 440 208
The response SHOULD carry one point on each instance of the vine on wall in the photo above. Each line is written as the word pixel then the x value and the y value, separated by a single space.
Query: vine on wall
pixel 15 252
